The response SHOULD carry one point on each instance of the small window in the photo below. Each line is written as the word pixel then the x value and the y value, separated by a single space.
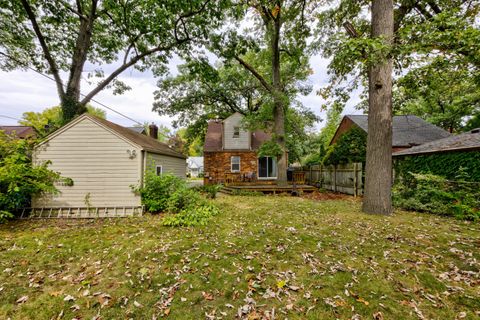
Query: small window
pixel 235 164
pixel 236 132
pixel 159 170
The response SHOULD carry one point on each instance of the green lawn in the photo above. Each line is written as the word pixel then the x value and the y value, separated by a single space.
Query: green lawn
pixel 263 256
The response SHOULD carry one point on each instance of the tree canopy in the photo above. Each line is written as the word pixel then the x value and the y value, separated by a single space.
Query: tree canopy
pixel 65 36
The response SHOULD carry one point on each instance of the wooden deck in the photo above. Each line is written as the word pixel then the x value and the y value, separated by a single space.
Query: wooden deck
pixel 231 189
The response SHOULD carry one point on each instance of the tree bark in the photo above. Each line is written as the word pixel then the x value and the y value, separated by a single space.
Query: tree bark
pixel 279 107
pixel 378 176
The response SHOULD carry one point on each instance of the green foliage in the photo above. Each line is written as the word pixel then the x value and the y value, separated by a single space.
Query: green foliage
pixel 435 194
pixel 20 180
pixel 210 190
pixel 167 193
pixel 192 216
pixel 156 190
pixel 139 33
pixel 446 164
pixel 270 149
pixel 435 52
pixel 440 92
pixel 349 148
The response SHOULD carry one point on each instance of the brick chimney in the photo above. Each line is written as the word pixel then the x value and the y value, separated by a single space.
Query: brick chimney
pixel 153 131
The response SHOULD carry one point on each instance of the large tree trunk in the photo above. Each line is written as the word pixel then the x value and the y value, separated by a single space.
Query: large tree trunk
pixel 279 107
pixel 70 102
pixel 378 176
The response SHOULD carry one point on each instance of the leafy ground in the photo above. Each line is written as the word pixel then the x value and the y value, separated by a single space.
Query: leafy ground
pixel 263 257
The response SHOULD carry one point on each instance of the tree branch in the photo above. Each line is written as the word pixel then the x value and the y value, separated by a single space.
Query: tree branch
pixel 43 44
pixel 125 66
pixel 69 8
pixel 257 75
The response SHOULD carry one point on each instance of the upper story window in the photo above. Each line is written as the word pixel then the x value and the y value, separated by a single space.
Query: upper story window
pixel 159 170
pixel 236 132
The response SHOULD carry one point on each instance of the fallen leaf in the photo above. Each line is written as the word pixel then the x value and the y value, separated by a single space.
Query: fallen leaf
pixel 22 299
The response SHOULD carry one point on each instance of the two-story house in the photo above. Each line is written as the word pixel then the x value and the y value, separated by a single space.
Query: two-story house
pixel 230 153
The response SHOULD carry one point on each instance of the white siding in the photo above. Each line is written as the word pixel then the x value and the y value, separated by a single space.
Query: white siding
pixel 175 166
pixel 97 161
pixel 240 143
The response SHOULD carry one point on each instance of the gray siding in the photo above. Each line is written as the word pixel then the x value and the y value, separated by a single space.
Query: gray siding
pixel 175 166
pixel 97 161
pixel 231 143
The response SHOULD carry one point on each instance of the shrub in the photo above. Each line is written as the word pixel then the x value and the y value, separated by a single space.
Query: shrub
pixel 20 179
pixel 210 190
pixel 167 193
pixel 157 190
pixel 435 194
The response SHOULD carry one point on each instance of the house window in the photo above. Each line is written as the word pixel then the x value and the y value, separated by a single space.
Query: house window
pixel 236 132
pixel 158 170
pixel 235 164
pixel 267 168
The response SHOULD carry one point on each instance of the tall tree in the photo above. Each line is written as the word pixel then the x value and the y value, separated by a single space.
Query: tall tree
pixel 422 30
pixel 282 31
pixel 378 168
pixel 57 36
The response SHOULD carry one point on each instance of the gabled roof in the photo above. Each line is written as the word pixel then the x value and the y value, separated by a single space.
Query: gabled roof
pixel 195 162
pixel 214 137
pixel 144 142
pixel 408 130
pixel 461 142
pixel 20 131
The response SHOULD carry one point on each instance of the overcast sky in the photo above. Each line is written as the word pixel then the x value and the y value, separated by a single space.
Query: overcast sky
pixel 22 91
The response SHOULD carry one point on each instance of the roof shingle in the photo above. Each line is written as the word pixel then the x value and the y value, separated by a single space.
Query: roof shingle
pixel 461 142
pixel 408 130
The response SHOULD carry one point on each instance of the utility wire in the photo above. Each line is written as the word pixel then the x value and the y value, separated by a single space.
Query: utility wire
pixel 83 95
pixel 10 117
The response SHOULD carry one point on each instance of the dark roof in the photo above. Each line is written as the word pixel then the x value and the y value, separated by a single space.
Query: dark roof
pixel 20 131
pixel 408 130
pixel 137 129
pixel 214 137
pixel 143 141
pixel 461 142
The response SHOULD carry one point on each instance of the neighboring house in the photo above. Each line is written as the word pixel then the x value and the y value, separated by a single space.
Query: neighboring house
pixel 103 160
pixel 194 166
pixel 230 153
pixel 22 132
pixel 408 130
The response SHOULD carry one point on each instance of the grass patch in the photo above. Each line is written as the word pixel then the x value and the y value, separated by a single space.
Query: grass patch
pixel 298 258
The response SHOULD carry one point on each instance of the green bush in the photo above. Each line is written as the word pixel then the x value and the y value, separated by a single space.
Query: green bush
pixel 435 194
pixel 167 193
pixel 156 190
pixel 20 179
pixel 210 190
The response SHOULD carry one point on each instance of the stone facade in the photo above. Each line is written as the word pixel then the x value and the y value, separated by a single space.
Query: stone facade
pixel 217 164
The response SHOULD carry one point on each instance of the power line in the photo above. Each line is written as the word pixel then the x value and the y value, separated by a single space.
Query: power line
pixel 83 95
pixel 10 117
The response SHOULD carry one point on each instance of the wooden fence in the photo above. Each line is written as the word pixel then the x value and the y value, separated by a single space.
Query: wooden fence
pixel 346 178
